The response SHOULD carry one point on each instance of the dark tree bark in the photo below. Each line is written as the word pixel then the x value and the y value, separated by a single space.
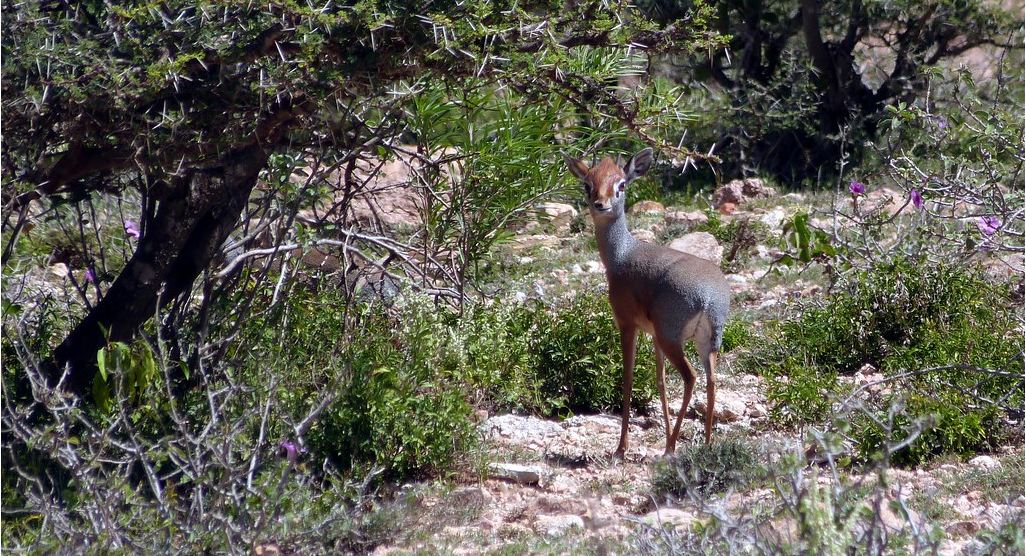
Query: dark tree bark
pixel 194 217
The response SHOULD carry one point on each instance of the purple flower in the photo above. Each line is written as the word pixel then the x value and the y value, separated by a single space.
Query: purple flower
pixel 917 199
pixel 857 187
pixel 290 449
pixel 90 276
pixel 940 121
pixel 988 225
pixel 132 228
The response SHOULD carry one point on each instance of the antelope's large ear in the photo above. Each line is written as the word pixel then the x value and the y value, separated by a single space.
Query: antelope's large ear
pixel 639 164
pixel 577 168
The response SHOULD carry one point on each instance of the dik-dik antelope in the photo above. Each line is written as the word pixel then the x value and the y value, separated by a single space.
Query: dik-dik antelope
pixel 673 296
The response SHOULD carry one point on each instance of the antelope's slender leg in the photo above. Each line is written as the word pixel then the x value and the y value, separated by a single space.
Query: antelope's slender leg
pixel 675 353
pixel 628 344
pixel 709 362
pixel 661 383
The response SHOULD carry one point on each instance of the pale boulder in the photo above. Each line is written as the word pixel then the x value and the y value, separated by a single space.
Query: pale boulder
pixel 699 244
pixel 653 208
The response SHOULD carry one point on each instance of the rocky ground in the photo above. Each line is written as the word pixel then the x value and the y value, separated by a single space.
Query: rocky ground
pixel 547 486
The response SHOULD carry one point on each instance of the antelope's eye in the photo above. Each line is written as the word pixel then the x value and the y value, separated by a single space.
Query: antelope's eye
pixel 587 188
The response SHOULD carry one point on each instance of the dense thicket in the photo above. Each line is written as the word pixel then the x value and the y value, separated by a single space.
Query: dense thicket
pixel 187 102
pixel 804 81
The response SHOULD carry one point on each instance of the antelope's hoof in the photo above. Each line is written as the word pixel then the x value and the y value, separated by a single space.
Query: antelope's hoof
pixel 618 455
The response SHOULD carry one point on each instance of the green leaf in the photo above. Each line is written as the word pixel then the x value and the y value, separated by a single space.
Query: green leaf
pixel 101 362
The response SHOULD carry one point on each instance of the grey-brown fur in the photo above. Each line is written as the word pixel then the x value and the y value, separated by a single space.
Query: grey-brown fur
pixel 672 296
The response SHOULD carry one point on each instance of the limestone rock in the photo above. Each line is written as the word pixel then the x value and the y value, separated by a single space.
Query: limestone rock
pixel 699 244
pixel 774 218
pixel 730 408
pixel 883 199
pixel 691 218
pixel 523 474
pixel 985 463
pixel 645 235
pixel 647 207
pixel 554 525
pixel 740 191
pixel 521 243
pixel 673 517
pixel 559 215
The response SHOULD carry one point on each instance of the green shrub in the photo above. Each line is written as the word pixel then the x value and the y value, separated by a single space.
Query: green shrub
pixel 496 357
pixel 901 317
pixel 400 408
pixel 408 378
pixel 800 393
pixel 577 359
pixel 704 469
pixel 736 334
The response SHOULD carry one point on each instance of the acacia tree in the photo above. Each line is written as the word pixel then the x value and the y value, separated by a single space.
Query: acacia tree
pixel 801 72
pixel 187 102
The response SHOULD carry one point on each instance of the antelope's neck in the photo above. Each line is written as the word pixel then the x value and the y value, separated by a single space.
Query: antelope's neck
pixel 615 241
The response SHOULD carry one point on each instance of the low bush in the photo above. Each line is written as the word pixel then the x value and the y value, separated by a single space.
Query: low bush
pixel 550 361
pixel 401 406
pixel 704 469
pixel 577 359
pixel 408 377
pixel 737 333
pixel 941 331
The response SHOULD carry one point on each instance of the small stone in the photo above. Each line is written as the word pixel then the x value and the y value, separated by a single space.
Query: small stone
pixel 523 474
pixel 757 411
pixel 645 235
pixel 520 243
pixel 688 218
pixel 727 208
pixel 668 516
pixel 736 279
pixel 593 266
pixel 774 218
pixel 59 270
pixel 699 244
pixel 985 462
pixel 647 207
pixel 962 528
pixel 559 214
pixel 554 525
pixel 740 191
pixel 729 407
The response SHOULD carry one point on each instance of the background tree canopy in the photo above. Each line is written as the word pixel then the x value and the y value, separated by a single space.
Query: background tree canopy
pixel 803 78
pixel 187 102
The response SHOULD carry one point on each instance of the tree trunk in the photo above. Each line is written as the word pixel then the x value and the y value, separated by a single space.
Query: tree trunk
pixel 193 219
